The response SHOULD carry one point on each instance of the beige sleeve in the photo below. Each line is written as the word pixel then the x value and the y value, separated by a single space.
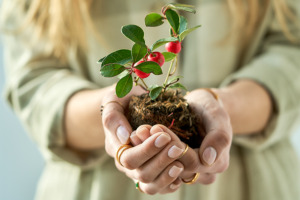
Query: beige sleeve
pixel 37 88
pixel 277 68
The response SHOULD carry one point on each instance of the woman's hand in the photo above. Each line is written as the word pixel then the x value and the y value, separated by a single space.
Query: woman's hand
pixel 213 155
pixel 115 124
pixel 153 160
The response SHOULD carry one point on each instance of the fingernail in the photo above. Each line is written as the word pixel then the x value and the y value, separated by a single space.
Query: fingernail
pixel 173 186
pixel 175 171
pixel 123 134
pixel 134 138
pixel 174 152
pixel 162 140
pixel 209 155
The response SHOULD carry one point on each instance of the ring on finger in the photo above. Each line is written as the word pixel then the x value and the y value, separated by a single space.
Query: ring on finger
pixel 137 186
pixel 184 152
pixel 196 176
pixel 102 106
pixel 120 151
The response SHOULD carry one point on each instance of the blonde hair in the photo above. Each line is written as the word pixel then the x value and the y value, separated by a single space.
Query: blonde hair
pixel 63 22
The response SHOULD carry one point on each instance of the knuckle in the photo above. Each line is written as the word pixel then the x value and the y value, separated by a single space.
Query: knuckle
pixel 223 167
pixel 109 117
pixel 149 191
pixel 127 163
pixel 209 180
pixel 223 139
pixel 144 177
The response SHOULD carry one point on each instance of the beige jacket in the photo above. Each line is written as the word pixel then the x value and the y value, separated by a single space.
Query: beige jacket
pixel 262 167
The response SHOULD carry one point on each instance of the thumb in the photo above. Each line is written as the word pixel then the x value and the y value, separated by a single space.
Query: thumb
pixel 214 144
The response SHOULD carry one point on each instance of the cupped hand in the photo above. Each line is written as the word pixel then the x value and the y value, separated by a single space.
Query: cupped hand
pixel 115 124
pixel 133 160
pixel 214 150
pixel 152 161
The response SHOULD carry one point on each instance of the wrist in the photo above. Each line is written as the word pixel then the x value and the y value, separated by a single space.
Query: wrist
pixel 248 104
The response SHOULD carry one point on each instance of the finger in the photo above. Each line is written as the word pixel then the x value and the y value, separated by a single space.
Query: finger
pixel 206 178
pixel 135 157
pixel 115 124
pixel 143 132
pixel 203 178
pixel 164 182
pixel 134 139
pixel 149 171
pixel 190 159
pixel 113 118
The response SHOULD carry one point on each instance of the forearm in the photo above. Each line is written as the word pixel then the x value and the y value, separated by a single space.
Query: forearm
pixel 248 104
pixel 83 124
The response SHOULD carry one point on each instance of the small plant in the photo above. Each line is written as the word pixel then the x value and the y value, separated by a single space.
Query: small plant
pixel 161 104
pixel 136 64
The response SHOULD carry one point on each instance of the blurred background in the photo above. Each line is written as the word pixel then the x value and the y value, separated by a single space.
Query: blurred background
pixel 21 163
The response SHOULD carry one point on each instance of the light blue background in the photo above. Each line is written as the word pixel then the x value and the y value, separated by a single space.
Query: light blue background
pixel 20 161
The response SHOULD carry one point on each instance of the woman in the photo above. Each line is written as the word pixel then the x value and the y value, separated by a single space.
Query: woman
pixel 251 50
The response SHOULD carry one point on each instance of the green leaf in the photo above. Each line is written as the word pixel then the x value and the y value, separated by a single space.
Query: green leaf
pixel 101 60
pixel 124 86
pixel 168 56
pixel 154 93
pixel 123 74
pixel 174 78
pixel 149 67
pixel 138 52
pixel 183 24
pixel 188 31
pixel 134 33
pixel 121 57
pixel 183 7
pixel 111 70
pixel 177 86
pixel 163 41
pixel 153 19
pixel 173 19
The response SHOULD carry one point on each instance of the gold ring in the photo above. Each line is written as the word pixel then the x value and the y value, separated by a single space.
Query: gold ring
pixel 184 152
pixel 211 92
pixel 102 106
pixel 137 186
pixel 193 180
pixel 120 151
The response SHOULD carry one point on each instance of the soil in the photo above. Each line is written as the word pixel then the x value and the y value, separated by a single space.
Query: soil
pixel 171 110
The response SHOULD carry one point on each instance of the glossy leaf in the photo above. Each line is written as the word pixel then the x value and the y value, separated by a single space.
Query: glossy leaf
pixel 177 86
pixel 134 33
pixel 153 19
pixel 138 52
pixel 163 41
pixel 168 56
pixel 154 93
pixel 121 57
pixel 111 70
pixel 149 67
pixel 183 7
pixel 101 60
pixel 183 24
pixel 172 79
pixel 124 86
pixel 173 19
pixel 188 31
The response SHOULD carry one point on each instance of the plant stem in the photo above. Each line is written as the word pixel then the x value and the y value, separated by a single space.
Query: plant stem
pixel 145 84
pixel 169 72
pixel 176 65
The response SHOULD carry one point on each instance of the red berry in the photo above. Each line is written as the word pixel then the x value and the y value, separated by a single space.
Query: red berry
pixel 174 47
pixel 139 73
pixel 156 57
